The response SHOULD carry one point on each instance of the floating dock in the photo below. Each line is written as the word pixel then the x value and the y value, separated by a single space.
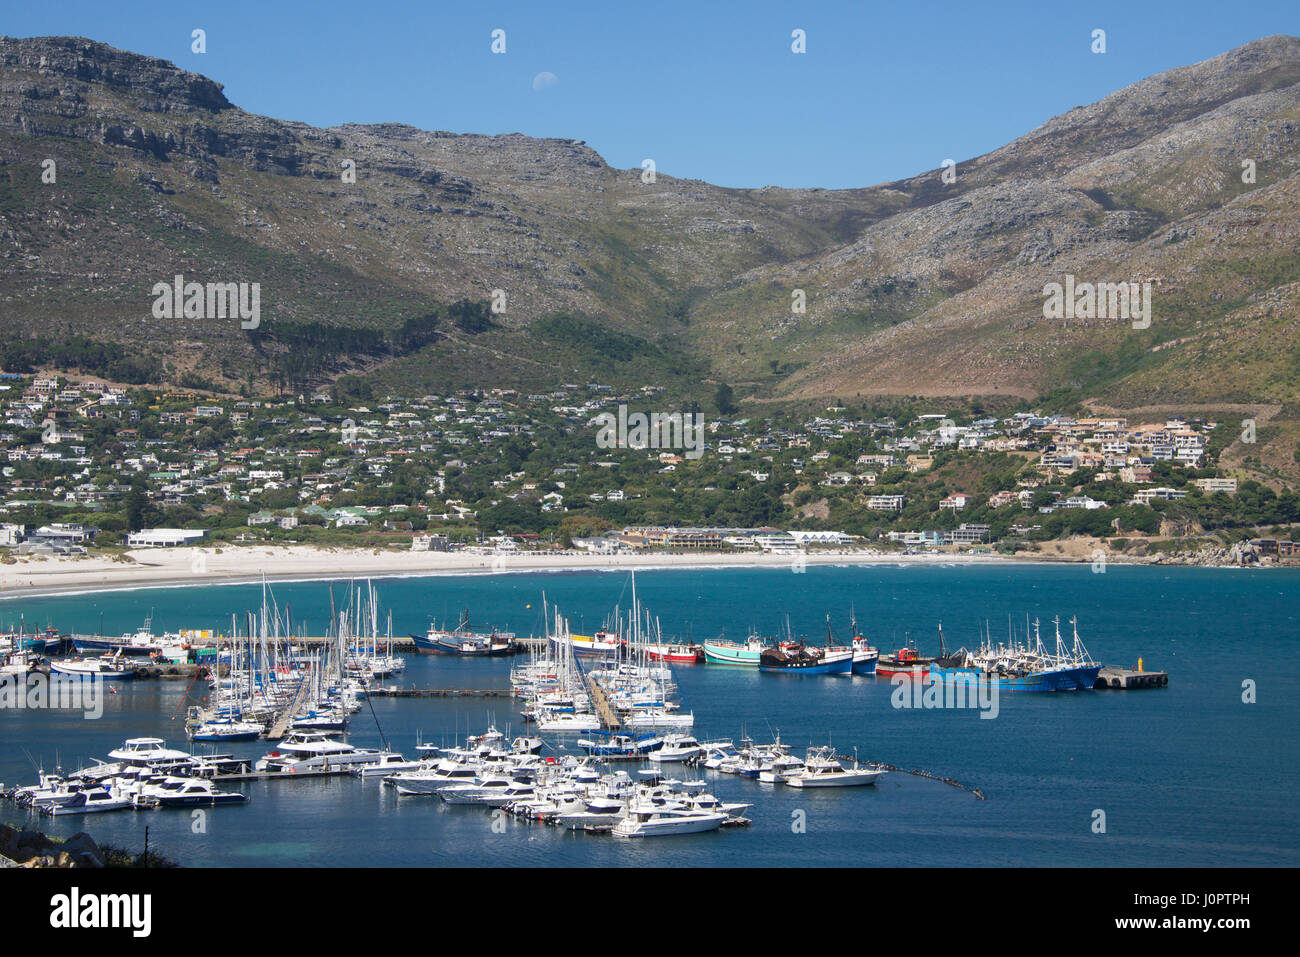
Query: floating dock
pixel 601 704
pixel 1122 679
pixel 284 720
pixel 439 692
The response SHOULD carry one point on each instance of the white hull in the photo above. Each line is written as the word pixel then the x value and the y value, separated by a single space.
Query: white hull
pixel 379 770
pixel 660 721
pixel 427 784
pixel 115 804
pixel 670 757
pixel 582 722
pixel 333 762
pixel 845 780
pixel 419 786
pixel 685 824
pixel 72 670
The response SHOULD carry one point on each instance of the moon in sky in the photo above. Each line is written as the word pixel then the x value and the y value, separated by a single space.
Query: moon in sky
pixel 543 81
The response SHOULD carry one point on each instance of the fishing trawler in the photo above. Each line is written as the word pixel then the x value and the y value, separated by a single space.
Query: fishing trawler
pixel 905 661
pixel 675 653
pixel 865 656
pixel 744 653
pixel 462 641
pixel 602 644
pixel 1023 667
pixel 141 643
pixel 794 657
pixel 18 662
pixel 47 640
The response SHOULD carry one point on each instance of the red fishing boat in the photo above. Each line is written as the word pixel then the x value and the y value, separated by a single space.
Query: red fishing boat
pixel 904 661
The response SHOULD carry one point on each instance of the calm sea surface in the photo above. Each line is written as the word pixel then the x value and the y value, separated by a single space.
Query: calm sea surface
pixel 1188 775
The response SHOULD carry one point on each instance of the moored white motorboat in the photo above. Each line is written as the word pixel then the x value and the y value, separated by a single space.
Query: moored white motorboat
pixel 226 730
pixel 676 747
pixel 389 763
pixel 781 767
pixel 659 718
pixel 562 721
pixel 187 792
pixel 445 773
pixel 315 751
pixel 647 820
pixel 151 753
pixel 491 791
pixel 616 747
pixel 822 769
pixel 89 802
pixel 106 669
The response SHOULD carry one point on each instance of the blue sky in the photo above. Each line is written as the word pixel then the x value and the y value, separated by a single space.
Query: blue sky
pixel 708 90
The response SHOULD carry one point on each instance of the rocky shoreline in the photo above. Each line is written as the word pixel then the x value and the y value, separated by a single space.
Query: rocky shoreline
pixel 22 848
pixel 29 849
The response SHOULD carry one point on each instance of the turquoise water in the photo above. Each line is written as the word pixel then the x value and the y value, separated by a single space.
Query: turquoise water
pixel 1188 775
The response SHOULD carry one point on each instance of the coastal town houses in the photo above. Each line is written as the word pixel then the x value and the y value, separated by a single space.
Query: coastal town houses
pixel 272 452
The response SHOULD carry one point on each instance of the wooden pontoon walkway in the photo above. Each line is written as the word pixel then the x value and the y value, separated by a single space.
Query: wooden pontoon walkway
pixel 601 703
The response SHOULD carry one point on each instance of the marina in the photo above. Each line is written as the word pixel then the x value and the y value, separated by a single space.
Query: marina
pixel 439 700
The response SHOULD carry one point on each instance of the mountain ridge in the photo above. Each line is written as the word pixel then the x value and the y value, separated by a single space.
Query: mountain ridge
pixel 915 286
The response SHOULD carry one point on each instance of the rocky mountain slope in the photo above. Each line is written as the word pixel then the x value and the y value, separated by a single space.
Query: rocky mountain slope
pixel 918 287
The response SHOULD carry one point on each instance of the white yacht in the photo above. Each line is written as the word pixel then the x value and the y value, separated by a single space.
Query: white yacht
pixel 567 721
pixel 389 763
pixel 647 820
pixel 445 773
pixel 186 792
pixel 315 751
pixel 225 729
pixel 151 753
pixel 715 754
pixel 104 668
pixel 781 767
pixel 52 789
pixel 89 802
pixel 676 747
pixel 659 718
pixel 822 769
pixel 708 803
pixel 493 791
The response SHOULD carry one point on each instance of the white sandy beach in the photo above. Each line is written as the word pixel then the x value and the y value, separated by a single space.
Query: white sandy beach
pixel 196 566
